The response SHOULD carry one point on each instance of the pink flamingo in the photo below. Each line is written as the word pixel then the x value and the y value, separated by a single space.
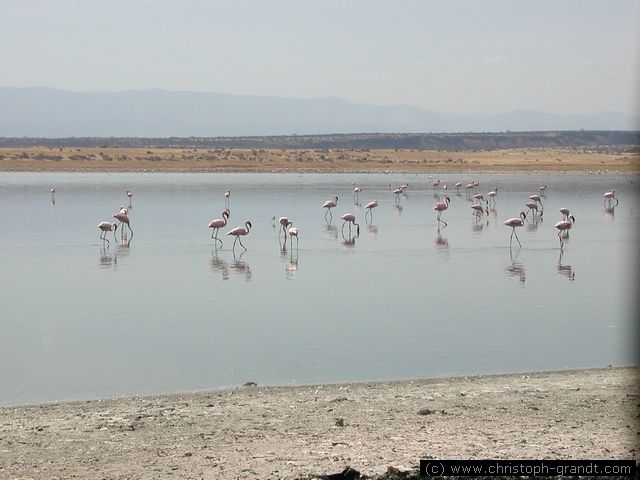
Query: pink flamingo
pixel 369 208
pixel 538 199
pixel 356 193
pixel 533 206
pixel 107 227
pixel 609 196
pixel 349 218
pixel 478 210
pixel 492 195
pixel 123 218
pixel 458 185
pixel 329 204
pixel 293 232
pixel 240 232
pixel 565 213
pixel 441 207
pixel 478 197
pixel 284 223
pixel 513 223
pixel 435 184
pixel 563 227
pixel 218 223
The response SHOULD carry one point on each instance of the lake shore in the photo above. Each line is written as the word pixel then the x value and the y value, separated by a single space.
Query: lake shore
pixel 294 432
pixel 113 159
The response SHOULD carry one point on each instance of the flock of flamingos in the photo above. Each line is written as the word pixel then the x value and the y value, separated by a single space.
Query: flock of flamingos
pixel 479 208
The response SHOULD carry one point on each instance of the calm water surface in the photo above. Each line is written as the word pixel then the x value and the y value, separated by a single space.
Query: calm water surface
pixel 170 312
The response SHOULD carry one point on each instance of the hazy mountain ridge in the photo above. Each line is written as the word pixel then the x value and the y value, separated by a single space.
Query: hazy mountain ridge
pixel 53 113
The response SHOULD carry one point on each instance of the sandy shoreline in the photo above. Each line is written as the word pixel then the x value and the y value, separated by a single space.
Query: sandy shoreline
pixel 292 432
pixel 310 160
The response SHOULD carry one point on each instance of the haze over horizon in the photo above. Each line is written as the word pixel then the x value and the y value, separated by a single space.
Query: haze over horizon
pixel 578 57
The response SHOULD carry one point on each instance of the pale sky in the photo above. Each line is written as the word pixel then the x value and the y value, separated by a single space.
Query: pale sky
pixel 472 56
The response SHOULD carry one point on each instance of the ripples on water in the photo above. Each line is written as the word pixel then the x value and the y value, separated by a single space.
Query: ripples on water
pixel 170 310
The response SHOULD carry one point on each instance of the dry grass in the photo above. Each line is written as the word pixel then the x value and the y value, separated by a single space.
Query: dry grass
pixel 309 160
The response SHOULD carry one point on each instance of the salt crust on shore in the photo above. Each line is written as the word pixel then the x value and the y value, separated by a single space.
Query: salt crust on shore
pixel 289 432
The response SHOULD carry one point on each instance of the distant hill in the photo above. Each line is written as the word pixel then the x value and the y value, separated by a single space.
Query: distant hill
pixel 53 113
pixel 592 140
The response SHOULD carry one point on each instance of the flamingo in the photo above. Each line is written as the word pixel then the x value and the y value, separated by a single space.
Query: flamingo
pixel 478 197
pixel 218 223
pixel 356 191
pixel 239 232
pixel 533 206
pixel 441 207
pixel 542 189
pixel 564 226
pixel 458 185
pixel 227 196
pixel 397 192
pixel 293 232
pixel 538 199
pixel 369 208
pixel 435 184
pixel 123 218
pixel 565 213
pixel 468 187
pixel 107 227
pixel 513 223
pixel 284 222
pixel 492 195
pixel 53 195
pixel 609 196
pixel 478 210
pixel 349 218
pixel 329 204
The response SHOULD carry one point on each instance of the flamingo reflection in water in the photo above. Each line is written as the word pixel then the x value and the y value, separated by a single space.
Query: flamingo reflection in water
pixel 515 269
pixel 241 267
pixel 218 264
pixel 565 270
pixel 107 259
pixel 440 241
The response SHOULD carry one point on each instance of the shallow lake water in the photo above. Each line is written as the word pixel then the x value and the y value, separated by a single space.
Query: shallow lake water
pixel 171 312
